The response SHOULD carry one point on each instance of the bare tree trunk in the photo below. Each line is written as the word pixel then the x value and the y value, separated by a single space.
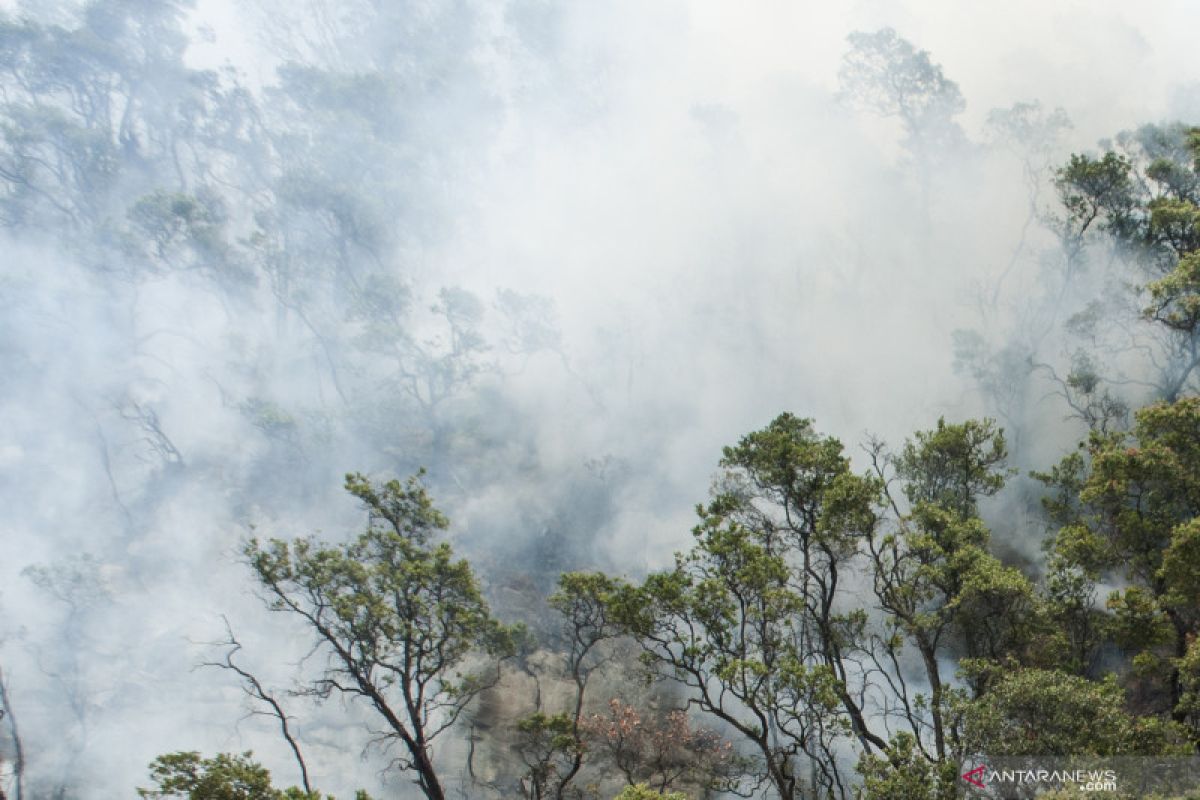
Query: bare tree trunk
pixel 254 688
pixel 19 751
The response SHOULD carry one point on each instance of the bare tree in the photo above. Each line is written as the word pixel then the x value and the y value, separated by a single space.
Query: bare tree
pixel 6 712
pixel 255 690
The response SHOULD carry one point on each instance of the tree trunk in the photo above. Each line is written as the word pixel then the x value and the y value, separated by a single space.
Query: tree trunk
pixel 935 698
pixel 427 776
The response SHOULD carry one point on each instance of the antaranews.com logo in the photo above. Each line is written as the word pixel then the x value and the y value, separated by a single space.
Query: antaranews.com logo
pixel 1085 780
pixel 1029 776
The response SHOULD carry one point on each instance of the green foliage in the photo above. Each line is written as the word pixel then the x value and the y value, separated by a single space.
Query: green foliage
pixel 1098 191
pixel 1134 517
pixel 401 619
pixel 745 619
pixel 725 612
pixel 1175 298
pixel 1189 672
pixel 643 792
pixel 1077 628
pixel 757 623
pixel 935 575
pixel 905 773
pixel 1065 481
pixel 1142 197
pixel 583 599
pixel 1141 488
pixel 1180 571
pixel 1048 713
pixel 548 745
pixel 226 776
pixel 748 619
pixel 954 465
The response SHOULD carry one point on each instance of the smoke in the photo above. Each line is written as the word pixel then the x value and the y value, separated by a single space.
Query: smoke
pixel 671 230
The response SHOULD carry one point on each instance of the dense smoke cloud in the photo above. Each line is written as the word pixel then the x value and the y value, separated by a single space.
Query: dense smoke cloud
pixel 660 222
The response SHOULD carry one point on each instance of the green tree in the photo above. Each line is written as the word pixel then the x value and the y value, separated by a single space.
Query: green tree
pixel 554 746
pixel 226 776
pixel 952 466
pixel 1141 197
pixel 904 773
pixel 750 620
pixel 643 792
pixel 940 588
pixel 725 624
pixel 1133 519
pixel 223 777
pixel 1050 713
pixel 764 623
pixel 404 624
pixel 552 751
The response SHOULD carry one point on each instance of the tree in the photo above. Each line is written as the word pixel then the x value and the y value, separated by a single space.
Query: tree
pixel 77 585
pixel 1049 713
pixel 939 587
pixel 952 466
pixel 226 776
pixel 404 625
pixel 14 735
pixel 1142 198
pixel 763 621
pixel 259 694
pixel 553 746
pixel 904 772
pixel 223 777
pixel 662 749
pixel 552 751
pixel 749 620
pixel 643 792
pixel 1130 515
pixel 1073 567
pixel 886 75
pixel 725 624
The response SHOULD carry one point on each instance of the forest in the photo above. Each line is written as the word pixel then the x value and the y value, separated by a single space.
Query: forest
pixel 510 399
